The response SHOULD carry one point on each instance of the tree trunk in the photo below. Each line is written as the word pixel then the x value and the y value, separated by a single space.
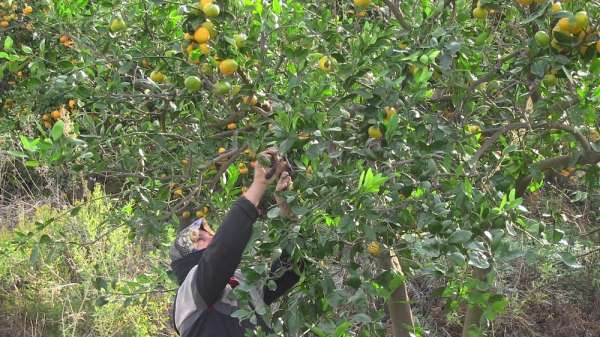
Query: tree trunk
pixel 473 315
pixel 398 304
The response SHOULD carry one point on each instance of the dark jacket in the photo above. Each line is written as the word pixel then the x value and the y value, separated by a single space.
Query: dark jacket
pixel 203 305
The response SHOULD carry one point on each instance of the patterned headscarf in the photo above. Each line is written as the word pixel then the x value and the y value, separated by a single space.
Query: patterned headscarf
pixel 186 238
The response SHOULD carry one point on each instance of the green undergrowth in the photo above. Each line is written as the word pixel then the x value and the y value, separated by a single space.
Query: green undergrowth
pixel 80 272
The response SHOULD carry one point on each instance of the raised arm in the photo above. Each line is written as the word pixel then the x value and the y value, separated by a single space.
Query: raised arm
pixel 222 257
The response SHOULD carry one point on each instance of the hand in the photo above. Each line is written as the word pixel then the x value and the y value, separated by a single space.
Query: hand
pixel 261 172
pixel 284 182
pixel 257 189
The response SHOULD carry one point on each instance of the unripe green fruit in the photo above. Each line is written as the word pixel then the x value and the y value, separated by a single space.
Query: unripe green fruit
pixel 222 88
pixel 581 19
pixel 193 83
pixel 240 40
pixel 211 10
pixel 542 38
pixel 117 25
pixel 550 80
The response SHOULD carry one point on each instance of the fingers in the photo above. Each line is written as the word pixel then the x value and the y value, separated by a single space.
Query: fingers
pixel 271 152
pixel 285 180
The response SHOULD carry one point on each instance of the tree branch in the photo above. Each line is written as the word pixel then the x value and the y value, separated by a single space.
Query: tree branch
pixel 497 132
pixel 395 8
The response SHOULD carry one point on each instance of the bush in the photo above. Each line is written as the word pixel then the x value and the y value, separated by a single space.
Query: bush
pixel 75 273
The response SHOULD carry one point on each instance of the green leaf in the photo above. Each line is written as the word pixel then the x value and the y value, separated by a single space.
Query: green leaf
pixel 35 254
pixel 8 43
pixel 100 301
pixel 570 260
pixel 342 329
pixel 17 154
pixel 457 258
pixel 537 14
pixel 273 213
pixel 29 145
pixel 57 130
pixel 478 259
pixel 595 66
pixel 460 236
pixel 370 183
pixel 277 6
pixel 361 318
pixel 318 331
pixel 297 210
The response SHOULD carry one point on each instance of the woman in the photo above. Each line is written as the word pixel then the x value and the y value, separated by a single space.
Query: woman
pixel 206 264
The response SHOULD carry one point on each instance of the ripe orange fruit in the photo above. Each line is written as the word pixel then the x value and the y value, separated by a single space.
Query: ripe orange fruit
pixel 303 135
pixel 55 114
pixel 228 66
pixel 72 104
pixel 374 248
pixel 250 100
pixel 325 63
pixel 253 164
pixel 27 10
pixel 525 2
pixel 4 24
pixel 202 35
pixel 204 48
pixel 45 117
pixel 231 126
pixel 178 193
pixel 565 25
pixel 243 169
pixel 362 3
pixel 390 112
pixel 374 132
pixel 190 48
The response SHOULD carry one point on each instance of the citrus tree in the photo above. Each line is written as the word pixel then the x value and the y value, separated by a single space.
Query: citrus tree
pixel 414 129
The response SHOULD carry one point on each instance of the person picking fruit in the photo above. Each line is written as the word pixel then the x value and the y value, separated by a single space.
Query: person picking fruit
pixel 206 264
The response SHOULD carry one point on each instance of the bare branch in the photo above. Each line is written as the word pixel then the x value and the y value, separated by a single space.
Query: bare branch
pixel 229 133
pixel 497 132
pixel 395 8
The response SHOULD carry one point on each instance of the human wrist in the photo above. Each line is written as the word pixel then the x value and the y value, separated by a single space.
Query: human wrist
pixel 255 193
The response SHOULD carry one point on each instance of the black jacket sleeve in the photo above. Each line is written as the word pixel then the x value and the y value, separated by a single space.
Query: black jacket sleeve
pixel 284 282
pixel 221 258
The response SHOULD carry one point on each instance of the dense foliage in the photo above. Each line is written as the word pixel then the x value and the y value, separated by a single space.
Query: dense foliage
pixel 414 129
